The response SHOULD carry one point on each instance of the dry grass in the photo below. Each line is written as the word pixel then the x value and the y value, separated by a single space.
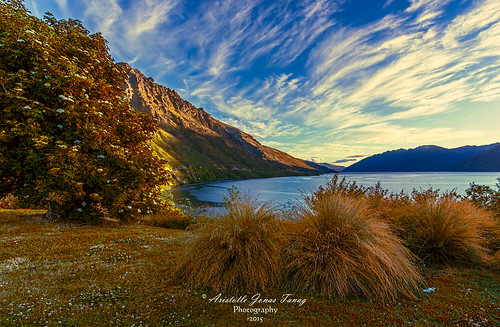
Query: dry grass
pixel 492 233
pixel 82 275
pixel 78 275
pixel 339 249
pixel 174 219
pixel 444 231
pixel 493 261
pixel 238 251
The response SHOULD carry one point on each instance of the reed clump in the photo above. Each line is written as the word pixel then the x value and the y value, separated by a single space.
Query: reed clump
pixel 339 248
pixel 238 251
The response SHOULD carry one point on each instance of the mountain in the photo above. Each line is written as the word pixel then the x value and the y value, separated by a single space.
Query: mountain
pixel 487 160
pixel 200 148
pixel 432 158
pixel 329 167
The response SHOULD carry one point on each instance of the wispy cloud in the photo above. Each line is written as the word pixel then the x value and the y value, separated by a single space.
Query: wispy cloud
pixel 148 16
pixel 34 8
pixel 383 132
pixel 105 13
pixel 426 6
pixel 266 129
pixel 344 161
pixel 63 5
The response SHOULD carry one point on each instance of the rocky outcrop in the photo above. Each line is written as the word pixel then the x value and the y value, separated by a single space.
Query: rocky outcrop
pixel 201 148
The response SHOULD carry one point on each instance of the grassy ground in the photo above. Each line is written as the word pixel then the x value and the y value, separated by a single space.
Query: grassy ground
pixel 72 275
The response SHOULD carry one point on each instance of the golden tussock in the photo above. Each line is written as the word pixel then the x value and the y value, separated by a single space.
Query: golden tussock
pixel 338 248
pixel 238 251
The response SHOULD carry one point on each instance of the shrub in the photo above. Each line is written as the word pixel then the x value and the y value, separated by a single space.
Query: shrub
pixel 336 187
pixel 173 219
pixel 238 251
pixel 485 197
pixel 9 202
pixel 338 248
pixel 443 230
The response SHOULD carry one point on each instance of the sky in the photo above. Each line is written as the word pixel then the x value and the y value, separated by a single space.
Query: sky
pixel 330 81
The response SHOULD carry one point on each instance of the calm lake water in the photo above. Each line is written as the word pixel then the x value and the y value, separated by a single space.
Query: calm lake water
pixel 291 189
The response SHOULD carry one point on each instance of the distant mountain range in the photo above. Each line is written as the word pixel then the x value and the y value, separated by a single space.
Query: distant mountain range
pixel 200 148
pixel 484 158
pixel 333 168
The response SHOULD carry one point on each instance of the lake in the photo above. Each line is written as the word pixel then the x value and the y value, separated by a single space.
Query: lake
pixel 291 189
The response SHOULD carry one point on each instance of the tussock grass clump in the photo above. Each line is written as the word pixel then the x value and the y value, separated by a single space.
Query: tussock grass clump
pixel 443 230
pixel 338 248
pixel 238 251
pixel 493 262
pixel 493 235
pixel 173 219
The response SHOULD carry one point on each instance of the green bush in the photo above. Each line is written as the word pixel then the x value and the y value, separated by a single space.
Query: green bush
pixel 485 197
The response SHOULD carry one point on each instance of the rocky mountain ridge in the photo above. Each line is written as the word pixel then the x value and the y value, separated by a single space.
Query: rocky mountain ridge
pixel 201 148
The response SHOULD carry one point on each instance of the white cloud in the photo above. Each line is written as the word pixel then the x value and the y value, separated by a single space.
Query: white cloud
pixel 382 132
pixel 266 130
pixel 34 8
pixel 426 5
pixel 244 109
pixel 219 61
pixel 105 14
pixel 388 3
pixel 63 5
pixel 485 14
pixel 149 15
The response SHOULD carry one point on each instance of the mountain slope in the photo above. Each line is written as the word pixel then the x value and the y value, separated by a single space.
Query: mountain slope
pixel 431 158
pixel 487 160
pixel 202 148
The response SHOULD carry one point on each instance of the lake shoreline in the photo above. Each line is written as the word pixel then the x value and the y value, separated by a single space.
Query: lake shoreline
pixel 293 188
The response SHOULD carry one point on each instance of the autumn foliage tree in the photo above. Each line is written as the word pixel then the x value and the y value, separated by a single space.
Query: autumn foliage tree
pixel 69 140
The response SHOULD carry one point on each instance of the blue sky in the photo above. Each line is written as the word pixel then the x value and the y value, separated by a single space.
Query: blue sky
pixel 331 81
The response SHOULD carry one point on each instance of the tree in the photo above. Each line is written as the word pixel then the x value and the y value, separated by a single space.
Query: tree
pixel 69 140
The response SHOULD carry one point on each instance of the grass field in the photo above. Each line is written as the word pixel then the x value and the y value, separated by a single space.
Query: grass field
pixel 73 275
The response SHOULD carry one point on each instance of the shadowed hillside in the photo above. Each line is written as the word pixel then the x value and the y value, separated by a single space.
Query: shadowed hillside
pixel 487 160
pixel 433 158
